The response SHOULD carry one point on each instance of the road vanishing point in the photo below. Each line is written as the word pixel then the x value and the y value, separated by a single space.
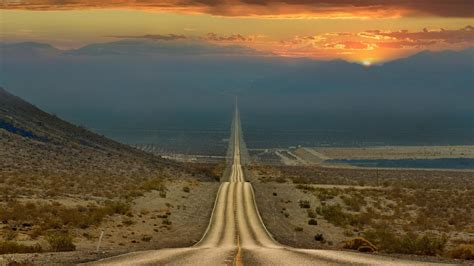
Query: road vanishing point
pixel 236 234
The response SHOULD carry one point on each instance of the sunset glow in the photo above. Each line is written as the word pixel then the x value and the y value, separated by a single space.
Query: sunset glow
pixel 313 29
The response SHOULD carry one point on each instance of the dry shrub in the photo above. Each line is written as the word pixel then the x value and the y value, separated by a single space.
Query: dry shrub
pixel 146 238
pixel 9 247
pixel 319 237
pixel 355 202
pixel 214 171
pixel 360 244
pixel 304 204
pixel 335 215
pixel 153 184
pixel 409 243
pixel 463 251
pixel 57 216
pixel 60 241
pixel 305 187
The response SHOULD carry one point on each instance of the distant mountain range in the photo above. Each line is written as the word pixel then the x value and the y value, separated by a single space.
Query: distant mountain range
pixel 181 84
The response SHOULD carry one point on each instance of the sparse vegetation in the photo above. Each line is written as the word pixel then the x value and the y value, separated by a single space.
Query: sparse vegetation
pixel 463 251
pixel 426 211
pixel 319 237
pixel 335 215
pixel 408 243
pixel 311 213
pixel 9 247
pixel 305 204
pixel 60 241
pixel 44 216
pixel 360 244
pixel 146 238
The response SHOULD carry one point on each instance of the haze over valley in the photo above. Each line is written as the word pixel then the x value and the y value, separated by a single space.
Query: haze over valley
pixel 294 101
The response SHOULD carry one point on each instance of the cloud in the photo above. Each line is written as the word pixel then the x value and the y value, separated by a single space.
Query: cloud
pixel 230 38
pixel 158 37
pixel 269 8
pixel 210 37
pixel 350 45
pixel 374 44
pixel 465 34
pixel 404 38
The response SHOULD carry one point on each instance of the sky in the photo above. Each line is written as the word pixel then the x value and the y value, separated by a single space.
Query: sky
pixel 364 31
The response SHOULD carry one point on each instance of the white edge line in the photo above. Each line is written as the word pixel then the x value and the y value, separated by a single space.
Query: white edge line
pixel 260 217
pixel 212 215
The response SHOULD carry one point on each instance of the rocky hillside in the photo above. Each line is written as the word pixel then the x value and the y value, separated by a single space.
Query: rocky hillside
pixel 45 156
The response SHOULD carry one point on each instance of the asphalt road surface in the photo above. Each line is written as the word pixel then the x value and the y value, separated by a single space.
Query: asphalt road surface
pixel 236 234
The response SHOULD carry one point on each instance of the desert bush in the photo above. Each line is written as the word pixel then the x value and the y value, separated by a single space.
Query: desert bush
pixel 312 222
pixel 116 207
pixel 298 229
pixel 186 189
pixel 311 213
pixel 57 216
pixel 319 237
pixel 335 215
pixel 215 171
pixel 406 244
pixel 304 204
pixel 463 251
pixel 60 241
pixel 11 235
pixel 153 184
pixel 127 222
pixel 360 244
pixel 324 194
pixel 305 187
pixel 280 180
pixel 146 238
pixel 9 247
pixel 298 179
pixel 354 203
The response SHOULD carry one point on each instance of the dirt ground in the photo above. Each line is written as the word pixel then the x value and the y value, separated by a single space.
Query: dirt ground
pixel 178 220
pixel 346 204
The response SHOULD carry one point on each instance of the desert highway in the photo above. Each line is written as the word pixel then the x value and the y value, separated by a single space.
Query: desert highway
pixel 236 234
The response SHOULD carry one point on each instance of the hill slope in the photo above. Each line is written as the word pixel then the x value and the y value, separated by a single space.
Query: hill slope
pixel 43 154
pixel 61 186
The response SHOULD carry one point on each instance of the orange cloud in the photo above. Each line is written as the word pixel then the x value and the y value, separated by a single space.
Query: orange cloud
pixel 374 44
pixel 465 34
pixel 231 38
pixel 161 37
pixel 268 8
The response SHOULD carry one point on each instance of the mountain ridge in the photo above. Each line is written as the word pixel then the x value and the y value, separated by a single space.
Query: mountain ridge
pixel 199 47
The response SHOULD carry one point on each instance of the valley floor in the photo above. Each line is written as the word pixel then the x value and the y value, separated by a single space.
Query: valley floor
pixel 153 222
pixel 317 207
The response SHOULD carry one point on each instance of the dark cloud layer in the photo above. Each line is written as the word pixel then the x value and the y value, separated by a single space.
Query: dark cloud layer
pixel 325 8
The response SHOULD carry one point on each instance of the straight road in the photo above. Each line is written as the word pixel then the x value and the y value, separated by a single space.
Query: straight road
pixel 236 234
